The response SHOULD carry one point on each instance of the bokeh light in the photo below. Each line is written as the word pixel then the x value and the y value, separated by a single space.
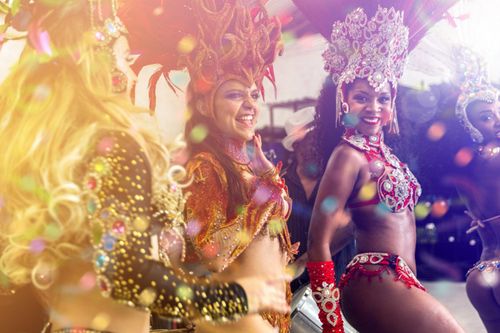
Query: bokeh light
pixel 288 37
pixel 37 245
pixel 439 208
pixel 186 44
pixel 262 194
pixel 184 292
pixel 193 228
pixel 329 205
pixel 101 321
pixel 368 191
pixel 210 251
pixel 350 120
pixel 463 157
pixel 198 133
pixel 436 131
pixel 52 231
pixel 275 227
pixel 422 210
pixel 87 281
pixel 147 296
pixel 105 145
pixel 158 11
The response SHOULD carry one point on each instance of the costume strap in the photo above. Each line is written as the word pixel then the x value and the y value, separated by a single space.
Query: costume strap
pixel 326 295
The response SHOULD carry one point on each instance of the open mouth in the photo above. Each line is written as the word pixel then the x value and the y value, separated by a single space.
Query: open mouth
pixel 246 119
pixel 371 120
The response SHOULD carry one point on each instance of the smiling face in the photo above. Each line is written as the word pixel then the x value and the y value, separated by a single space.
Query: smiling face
pixel 485 117
pixel 371 109
pixel 236 110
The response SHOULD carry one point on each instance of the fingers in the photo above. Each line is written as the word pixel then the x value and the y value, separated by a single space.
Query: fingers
pixel 257 141
pixel 275 299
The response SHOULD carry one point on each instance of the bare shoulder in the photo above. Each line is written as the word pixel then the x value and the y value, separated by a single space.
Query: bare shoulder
pixel 345 157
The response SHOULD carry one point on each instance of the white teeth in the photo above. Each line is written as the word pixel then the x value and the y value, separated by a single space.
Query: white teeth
pixel 371 120
pixel 246 118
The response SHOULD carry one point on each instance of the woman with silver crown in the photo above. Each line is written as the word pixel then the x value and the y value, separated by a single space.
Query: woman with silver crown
pixel 478 111
pixel 366 191
pixel 86 190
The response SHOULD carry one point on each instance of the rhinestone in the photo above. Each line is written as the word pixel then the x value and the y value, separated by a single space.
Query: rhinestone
pixel 387 185
pixel 91 206
pixel 100 36
pixel 109 242
pixel 101 260
pixel 104 285
pixel 118 228
pixel 92 183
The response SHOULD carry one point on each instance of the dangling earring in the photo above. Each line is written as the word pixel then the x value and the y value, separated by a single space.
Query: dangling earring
pixel 345 108
pixel 119 81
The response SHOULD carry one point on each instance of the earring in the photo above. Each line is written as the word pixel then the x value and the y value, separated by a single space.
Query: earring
pixel 118 81
pixel 345 107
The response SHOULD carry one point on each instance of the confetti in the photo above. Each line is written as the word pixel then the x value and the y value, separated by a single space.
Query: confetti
pixel 436 131
pixel 52 231
pixel 439 208
pixel 350 120
pixel 184 292
pixel 37 245
pixel 422 210
pixel 87 281
pixel 328 205
pixel 158 11
pixel 463 157
pixel 198 133
pixel 186 44
pixel 105 145
pixel 368 191
pixel 275 227
pixel 101 321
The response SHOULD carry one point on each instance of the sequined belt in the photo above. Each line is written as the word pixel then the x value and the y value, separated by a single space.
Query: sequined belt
pixel 485 266
pixel 387 262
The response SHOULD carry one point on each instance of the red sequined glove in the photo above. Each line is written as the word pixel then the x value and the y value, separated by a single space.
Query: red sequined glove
pixel 326 295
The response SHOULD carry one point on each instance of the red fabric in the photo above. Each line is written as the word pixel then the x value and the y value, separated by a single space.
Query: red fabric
pixel 386 263
pixel 420 15
pixel 322 276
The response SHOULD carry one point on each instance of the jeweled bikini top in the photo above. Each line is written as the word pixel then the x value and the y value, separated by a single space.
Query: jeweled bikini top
pixel 397 187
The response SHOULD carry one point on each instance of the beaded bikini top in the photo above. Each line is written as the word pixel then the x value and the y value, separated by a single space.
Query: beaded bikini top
pixel 397 187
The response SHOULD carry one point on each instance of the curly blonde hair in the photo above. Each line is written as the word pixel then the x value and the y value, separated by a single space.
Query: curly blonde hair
pixel 51 108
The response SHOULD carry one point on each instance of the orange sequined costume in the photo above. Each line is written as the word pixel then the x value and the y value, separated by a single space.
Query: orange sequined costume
pixel 265 213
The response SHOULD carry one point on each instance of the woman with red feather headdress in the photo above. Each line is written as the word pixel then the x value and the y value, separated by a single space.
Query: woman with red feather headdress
pixel 237 204
pixel 366 56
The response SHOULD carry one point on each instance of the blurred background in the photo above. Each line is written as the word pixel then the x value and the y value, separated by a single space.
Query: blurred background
pixel 426 98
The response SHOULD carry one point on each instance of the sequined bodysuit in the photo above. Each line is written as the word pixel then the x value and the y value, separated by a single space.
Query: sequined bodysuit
pixel 227 237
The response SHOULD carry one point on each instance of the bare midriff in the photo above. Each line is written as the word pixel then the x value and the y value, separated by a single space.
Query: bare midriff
pixel 264 257
pixel 377 231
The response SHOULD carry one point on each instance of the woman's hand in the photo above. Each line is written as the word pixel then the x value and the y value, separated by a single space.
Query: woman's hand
pixel 259 163
pixel 266 293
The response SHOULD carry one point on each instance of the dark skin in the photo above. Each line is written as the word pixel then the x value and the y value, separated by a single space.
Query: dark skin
pixel 346 173
pixel 483 199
